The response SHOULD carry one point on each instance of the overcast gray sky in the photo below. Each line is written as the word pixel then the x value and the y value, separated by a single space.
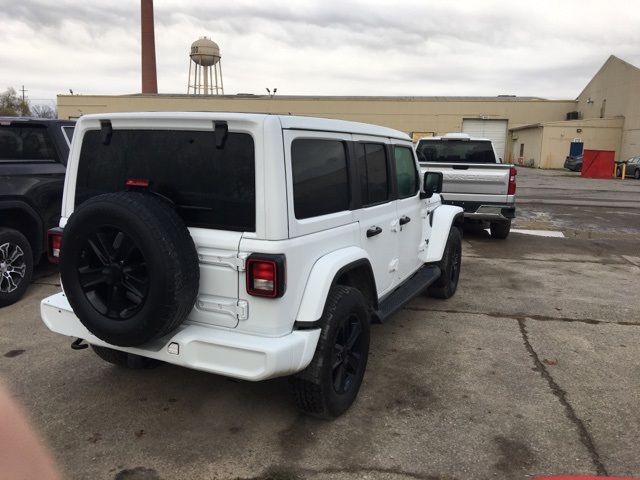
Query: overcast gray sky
pixel 326 47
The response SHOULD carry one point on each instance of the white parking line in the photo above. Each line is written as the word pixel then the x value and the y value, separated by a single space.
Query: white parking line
pixel 539 233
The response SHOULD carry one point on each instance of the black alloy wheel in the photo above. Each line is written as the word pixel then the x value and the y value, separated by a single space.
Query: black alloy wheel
pixel 113 274
pixel 348 353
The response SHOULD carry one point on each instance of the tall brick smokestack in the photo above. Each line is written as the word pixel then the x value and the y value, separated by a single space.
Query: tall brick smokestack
pixel 149 75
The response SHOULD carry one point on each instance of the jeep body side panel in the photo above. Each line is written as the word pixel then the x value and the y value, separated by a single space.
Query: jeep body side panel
pixel 443 219
pixel 273 317
pixel 321 278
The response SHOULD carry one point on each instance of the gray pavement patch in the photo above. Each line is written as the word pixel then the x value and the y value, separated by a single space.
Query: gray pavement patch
pixel 585 436
pixel 527 316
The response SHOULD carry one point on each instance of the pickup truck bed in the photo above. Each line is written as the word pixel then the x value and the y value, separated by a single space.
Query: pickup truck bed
pixel 473 178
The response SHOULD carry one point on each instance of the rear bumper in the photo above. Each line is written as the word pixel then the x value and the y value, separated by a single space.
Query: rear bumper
pixel 486 211
pixel 210 349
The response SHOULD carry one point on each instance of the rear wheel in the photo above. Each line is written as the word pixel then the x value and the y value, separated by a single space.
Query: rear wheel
pixel 500 229
pixel 330 384
pixel 618 172
pixel 447 284
pixel 636 174
pixel 16 265
pixel 124 359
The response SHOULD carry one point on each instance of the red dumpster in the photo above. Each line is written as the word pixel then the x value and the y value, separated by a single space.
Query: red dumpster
pixel 598 163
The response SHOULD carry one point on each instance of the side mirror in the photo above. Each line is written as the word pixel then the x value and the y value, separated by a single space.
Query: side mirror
pixel 432 183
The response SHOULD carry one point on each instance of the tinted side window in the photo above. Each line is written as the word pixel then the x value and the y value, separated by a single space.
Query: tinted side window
pixel 25 143
pixel 211 187
pixel 320 178
pixel 406 174
pixel 372 168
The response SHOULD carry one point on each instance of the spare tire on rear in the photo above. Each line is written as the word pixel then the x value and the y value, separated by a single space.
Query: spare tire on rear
pixel 129 267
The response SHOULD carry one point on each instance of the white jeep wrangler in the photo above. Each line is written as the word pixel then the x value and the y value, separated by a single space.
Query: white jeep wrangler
pixel 247 245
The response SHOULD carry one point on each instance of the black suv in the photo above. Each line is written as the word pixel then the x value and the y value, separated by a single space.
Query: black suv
pixel 33 157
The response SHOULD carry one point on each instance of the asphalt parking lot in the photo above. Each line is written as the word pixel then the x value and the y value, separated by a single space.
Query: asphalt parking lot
pixel 532 368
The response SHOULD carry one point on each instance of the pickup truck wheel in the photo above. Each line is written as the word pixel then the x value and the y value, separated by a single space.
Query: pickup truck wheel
pixel 330 384
pixel 500 229
pixel 124 359
pixel 129 267
pixel 447 284
pixel 16 265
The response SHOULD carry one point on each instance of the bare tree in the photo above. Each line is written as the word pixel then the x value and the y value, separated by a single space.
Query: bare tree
pixel 12 105
pixel 44 111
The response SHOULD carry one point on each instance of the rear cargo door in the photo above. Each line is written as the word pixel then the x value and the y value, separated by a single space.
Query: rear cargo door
pixel 211 184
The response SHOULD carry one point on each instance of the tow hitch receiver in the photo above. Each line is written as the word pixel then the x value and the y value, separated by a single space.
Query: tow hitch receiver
pixel 78 345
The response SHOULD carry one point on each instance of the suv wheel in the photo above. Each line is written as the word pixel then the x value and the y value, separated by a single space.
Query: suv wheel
pixel 16 266
pixel 124 359
pixel 500 229
pixel 330 384
pixel 447 284
pixel 129 267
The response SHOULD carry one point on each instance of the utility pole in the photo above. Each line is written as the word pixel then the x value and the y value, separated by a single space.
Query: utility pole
pixel 23 92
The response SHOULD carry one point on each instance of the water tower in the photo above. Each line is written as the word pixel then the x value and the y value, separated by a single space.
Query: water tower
pixel 204 61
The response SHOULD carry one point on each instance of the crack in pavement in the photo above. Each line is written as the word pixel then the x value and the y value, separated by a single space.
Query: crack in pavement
pixel 524 316
pixel 583 433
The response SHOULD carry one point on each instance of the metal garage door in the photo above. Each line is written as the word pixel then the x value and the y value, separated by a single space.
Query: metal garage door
pixel 494 130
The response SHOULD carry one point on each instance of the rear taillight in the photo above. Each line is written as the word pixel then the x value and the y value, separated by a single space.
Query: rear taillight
pixel 54 242
pixel 266 275
pixel 512 181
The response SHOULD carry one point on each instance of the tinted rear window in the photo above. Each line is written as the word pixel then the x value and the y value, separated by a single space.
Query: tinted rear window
pixel 212 188
pixel 25 143
pixel 455 151
pixel 320 179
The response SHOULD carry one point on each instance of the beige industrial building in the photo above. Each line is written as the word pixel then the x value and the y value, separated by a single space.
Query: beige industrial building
pixel 526 130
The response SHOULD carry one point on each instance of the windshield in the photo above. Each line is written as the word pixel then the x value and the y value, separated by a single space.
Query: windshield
pixel 456 151
pixel 211 187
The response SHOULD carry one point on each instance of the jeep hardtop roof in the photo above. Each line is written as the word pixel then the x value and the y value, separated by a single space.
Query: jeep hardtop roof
pixel 287 121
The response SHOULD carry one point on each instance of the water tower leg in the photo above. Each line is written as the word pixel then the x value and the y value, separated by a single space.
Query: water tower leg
pixel 206 80
pixel 221 84
pixel 189 78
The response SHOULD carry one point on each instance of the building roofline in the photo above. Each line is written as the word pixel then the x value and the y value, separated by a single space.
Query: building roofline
pixel 248 96
pixel 609 60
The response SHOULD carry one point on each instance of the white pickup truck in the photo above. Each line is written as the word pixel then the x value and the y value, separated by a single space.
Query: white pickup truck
pixel 474 178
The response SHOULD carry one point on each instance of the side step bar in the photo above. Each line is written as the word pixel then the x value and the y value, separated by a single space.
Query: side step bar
pixel 402 295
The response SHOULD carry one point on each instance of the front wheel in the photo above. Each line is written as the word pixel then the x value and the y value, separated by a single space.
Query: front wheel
pixel 16 265
pixel 636 174
pixel 447 284
pixel 500 229
pixel 618 172
pixel 330 384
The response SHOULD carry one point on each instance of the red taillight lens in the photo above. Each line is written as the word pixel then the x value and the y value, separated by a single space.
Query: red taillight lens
pixel 137 182
pixel 54 239
pixel 265 275
pixel 512 181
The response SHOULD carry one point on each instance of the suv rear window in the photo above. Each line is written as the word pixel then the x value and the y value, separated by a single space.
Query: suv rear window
pixel 24 143
pixel 455 151
pixel 212 188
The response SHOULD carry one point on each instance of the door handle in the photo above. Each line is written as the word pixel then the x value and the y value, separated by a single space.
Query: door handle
pixel 404 220
pixel 373 231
